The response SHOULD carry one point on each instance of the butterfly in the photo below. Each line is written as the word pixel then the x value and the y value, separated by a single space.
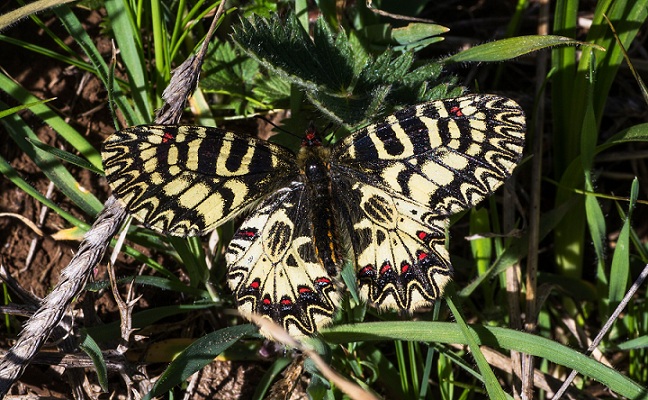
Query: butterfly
pixel 381 198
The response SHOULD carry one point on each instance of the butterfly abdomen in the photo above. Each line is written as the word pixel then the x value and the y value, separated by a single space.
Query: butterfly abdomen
pixel 313 161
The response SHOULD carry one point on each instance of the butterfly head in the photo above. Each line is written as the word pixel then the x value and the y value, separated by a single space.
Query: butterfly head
pixel 312 137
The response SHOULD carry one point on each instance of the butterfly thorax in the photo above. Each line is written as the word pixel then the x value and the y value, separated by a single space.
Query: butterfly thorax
pixel 313 162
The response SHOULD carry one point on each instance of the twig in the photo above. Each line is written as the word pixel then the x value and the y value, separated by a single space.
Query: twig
pixel 531 319
pixel 278 334
pixel 73 278
pixel 608 325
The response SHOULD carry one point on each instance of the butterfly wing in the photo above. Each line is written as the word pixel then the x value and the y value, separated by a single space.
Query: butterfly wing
pixel 273 267
pixel 406 175
pixel 185 180
pixel 399 247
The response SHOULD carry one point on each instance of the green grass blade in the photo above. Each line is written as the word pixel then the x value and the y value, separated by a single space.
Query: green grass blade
pixel 12 17
pixel 92 349
pixel 129 41
pixel 193 258
pixel 490 380
pixel 27 106
pixel 627 16
pixel 593 211
pixel 197 355
pixel 507 49
pixel 65 156
pixel 75 28
pixel 42 111
pixel 261 391
pixel 620 269
pixel 8 171
pixel 51 167
pixel 509 339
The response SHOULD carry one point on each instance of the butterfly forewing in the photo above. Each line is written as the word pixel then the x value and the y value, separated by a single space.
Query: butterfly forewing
pixel 185 181
pixel 446 155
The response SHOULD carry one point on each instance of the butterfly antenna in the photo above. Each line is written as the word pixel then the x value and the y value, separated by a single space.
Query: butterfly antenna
pixel 330 137
pixel 280 129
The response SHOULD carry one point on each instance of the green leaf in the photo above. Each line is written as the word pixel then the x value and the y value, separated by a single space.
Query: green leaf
pixel 620 268
pixel 65 156
pixel 349 90
pixel 416 36
pixel 636 343
pixel 507 49
pixel 482 247
pixel 593 211
pixel 197 355
pixel 504 338
pixel 229 72
pixel 91 348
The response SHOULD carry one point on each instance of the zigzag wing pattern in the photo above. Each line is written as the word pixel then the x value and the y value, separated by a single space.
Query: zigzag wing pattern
pixel 390 186
pixel 187 180
pixel 446 155
pixel 273 267
pixel 402 179
pixel 399 248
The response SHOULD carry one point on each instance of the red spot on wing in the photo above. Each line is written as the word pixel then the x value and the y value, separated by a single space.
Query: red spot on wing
pixel 255 284
pixel 385 268
pixel 286 302
pixel 421 255
pixel 456 111
pixel 323 281
pixel 304 289
pixel 167 137
pixel 421 235
pixel 266 301
pixel 367 271
pixel 404 268
pixel 246 234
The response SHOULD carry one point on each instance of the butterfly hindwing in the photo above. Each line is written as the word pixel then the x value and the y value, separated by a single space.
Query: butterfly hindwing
pixel 399 248
pixel 273 267
pixel 185 180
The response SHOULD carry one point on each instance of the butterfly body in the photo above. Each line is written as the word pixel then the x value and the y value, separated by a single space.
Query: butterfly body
pixel 313 160
pixel 387 190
